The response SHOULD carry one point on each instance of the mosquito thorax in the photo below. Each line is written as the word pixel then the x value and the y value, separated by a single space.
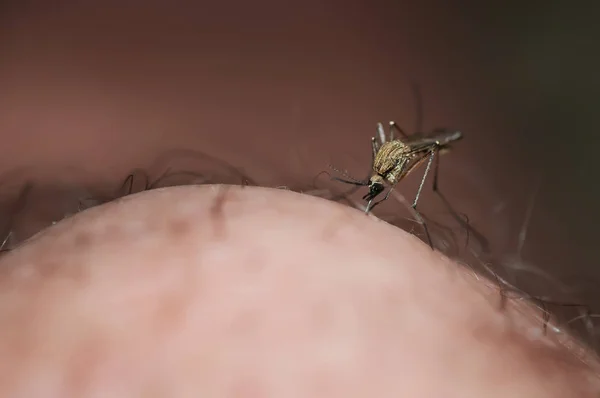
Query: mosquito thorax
pixel 376 179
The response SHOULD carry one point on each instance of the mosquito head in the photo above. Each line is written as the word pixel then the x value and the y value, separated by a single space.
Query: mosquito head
pixel 375 188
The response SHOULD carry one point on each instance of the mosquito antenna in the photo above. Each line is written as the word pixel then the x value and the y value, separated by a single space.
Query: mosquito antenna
pixel 364 182
pixel 359 183
pixel 337 196
pixel 349 179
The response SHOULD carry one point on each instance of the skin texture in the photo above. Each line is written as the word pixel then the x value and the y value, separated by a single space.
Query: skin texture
pixel 226 291
pixel 267 293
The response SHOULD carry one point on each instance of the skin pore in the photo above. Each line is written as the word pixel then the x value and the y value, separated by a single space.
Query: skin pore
pixel 247 292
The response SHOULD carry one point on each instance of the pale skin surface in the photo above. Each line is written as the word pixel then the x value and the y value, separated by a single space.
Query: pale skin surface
pixel 248 292
pixel 275 294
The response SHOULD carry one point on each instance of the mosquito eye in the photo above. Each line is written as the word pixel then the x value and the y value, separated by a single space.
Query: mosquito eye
pixel 376 189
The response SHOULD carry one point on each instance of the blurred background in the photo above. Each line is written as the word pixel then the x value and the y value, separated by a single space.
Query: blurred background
pixel 280 90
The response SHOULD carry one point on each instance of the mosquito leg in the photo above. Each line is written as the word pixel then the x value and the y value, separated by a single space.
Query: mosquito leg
pixel 436 170
pixel 414 205
pixel 385 197
pixel 369 207
pixel 418 217
pixel 394 127
pixel 416 213
pixel 375 148
pixel 485 245
pixel 421 221
pixel 431 156
pixel 381 133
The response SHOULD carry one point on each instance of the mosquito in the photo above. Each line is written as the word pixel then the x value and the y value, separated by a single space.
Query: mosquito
pixel 395 158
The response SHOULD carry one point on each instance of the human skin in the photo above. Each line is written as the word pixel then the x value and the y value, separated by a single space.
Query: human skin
pixel 220 291
pixel 307 298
